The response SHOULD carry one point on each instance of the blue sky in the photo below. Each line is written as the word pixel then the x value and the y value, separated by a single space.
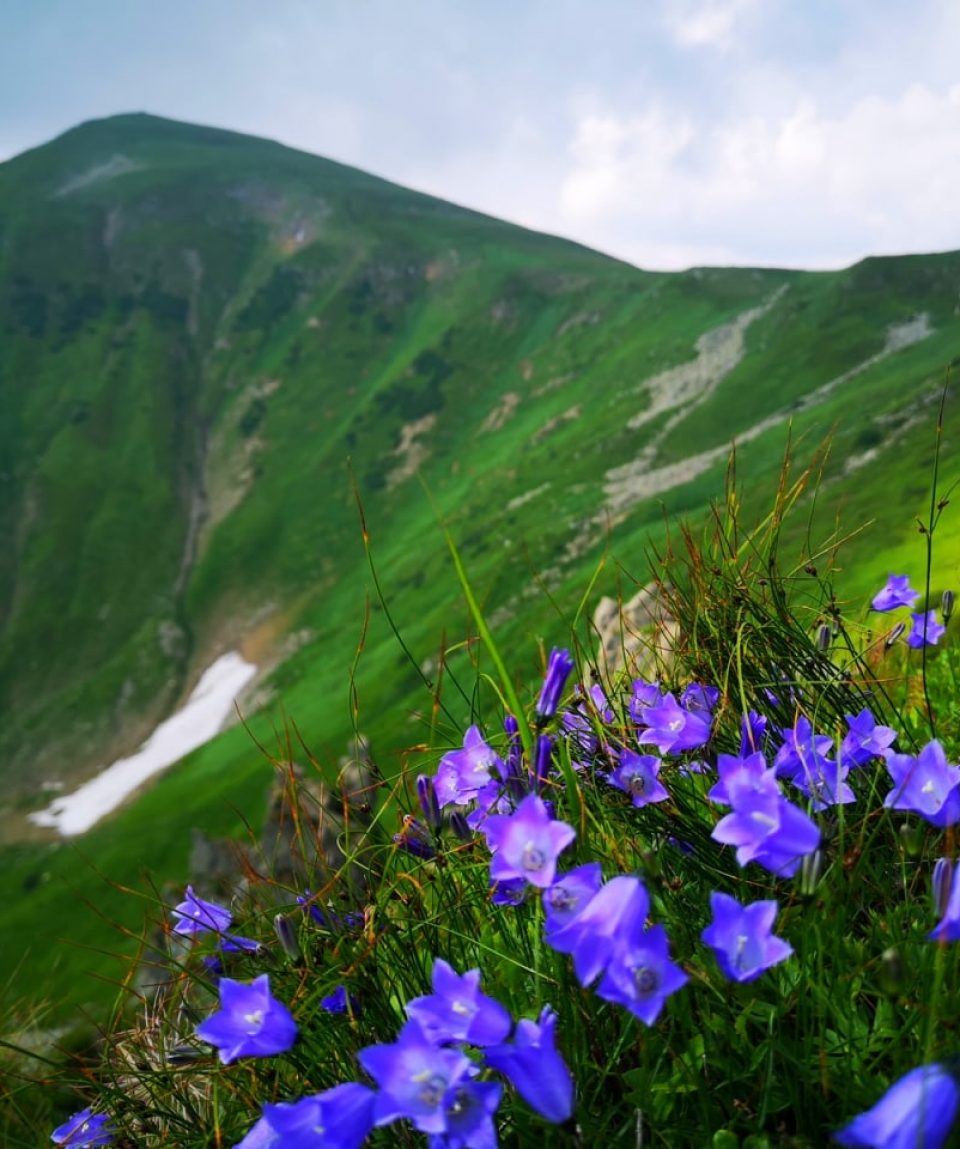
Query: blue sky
pixel 667 132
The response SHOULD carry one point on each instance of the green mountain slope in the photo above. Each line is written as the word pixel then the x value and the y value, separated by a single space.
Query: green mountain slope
pixel 209 344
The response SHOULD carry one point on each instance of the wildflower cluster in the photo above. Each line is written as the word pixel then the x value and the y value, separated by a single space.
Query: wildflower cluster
pixel 693 787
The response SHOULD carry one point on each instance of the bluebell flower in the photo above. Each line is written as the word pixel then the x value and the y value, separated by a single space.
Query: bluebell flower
pixel 926 785
pixel 741 937
pixel 417 1079
pixel 457 1010
pixel 637 775
pixel 568 896
pixel 916 1112
pixel 84 1130
pixel 753 728
pixel 618 910
pixel 897 592
pixel 672 728
pixel 764 827
pixel 640 975
pixel 526 844
pixel 750 768
pixel 196 916
pixel 865 739
pixel 250 1021
pixel 534 1067
pixel 340 1001
pixel 800 750
pixel 925 630
pixel 463 773
pixel 339 1118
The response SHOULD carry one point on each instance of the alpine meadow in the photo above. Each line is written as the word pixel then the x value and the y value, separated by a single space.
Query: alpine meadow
pixel 565 592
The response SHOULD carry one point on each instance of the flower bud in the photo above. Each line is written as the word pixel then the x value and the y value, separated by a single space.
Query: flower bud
pixel 287 936
pixel 911 839
pixel 811 867
pixel 543 753
pixel 895 634
pixel 459 826
pixel 946 605
pixel 429 802
pixel 891 972
pixel 942 885
pixel 824 636
pixel 559 666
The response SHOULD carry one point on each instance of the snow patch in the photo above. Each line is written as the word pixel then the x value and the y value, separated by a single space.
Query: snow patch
pixel 194 724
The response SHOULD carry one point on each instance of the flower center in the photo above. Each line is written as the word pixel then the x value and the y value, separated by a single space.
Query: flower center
pixel 459 1104
pixel 637 784
pixel 645 980
pixel 561 899
pixel 432 1087
pixel 254 1020
pixel 533 857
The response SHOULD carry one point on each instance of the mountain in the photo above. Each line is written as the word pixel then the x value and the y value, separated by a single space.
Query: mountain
pixel 213 349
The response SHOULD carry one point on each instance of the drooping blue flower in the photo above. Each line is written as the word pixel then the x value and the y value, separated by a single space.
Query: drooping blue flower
pixel 543 757
pixel 695 696
pixel 415 838
pixel 340 1002
pixel 196 916
pixel 457 1010
pixel 916 1112
pixel 897 592
pixel 616 912
pixel 801 749
pixel 429 803
pixel 645 695
pixel 946 893
pixel 637 775
pixel 753 727
pixel 568 896
pixel 417 1079
pixel 925 630
pixel 250 1021
pixel 926 785
pixel 672 728
pixel 747 768
pixel 338 1118
pixel 640 975
pixel 764 826
pixel 526 844
pixel 84 1130
pixel 865 739
pixel 469 1108
pixel 534 1067
pixel 463 773
pixel 559 666
pixel 741 937
pixel 824 781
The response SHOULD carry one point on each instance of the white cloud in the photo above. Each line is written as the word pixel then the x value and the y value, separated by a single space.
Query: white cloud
pixel 704 23
pixel 804 187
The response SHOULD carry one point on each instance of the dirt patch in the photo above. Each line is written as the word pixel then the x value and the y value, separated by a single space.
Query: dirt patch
pixel 411 452
pixel 502 412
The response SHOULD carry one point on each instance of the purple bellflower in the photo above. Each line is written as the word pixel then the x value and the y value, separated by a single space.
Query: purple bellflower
pixel 568 895
pixel 800 750
pixel 924 630
pixel 418 1079
pixel 339 1118
pixel 698 697
pixel 916 1112
pixel 897 592
pixel 749 768
pixel 469 1108
pixel 535 1068
pixel 672 728
pixel 865 740
pixel 645 695
pixel 615 913
pixel 640 976
pixel 458 1011
pixel 741 937
pixel 463 773
pixel 824 781
pixel 84 1130
pixel 526 844
pixel 559 666
pixel 753 728
pixel 637 775
pixel 926 785
pixel 764 826
pixel 249 1023
pixel 196 916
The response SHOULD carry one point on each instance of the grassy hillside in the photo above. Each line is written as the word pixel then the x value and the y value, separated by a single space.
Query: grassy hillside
pixel 210 345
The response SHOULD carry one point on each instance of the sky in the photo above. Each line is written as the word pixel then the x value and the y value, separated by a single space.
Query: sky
pixel 670 133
